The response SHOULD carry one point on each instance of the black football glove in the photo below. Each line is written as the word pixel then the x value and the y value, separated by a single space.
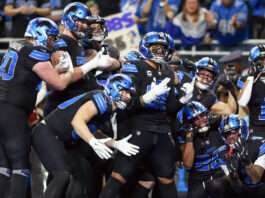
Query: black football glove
pixel 231 160
pixel 241 148
pixel 226 83
pixel 187 64
pixel 254 70
pixel 193 130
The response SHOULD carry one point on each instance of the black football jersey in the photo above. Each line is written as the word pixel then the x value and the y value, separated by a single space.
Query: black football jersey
pixel 206 161
pixel 60 119
pixel 18 83
pixel 256 148
pixel 256 103
pixel 85 84
pixel 207 97
pixel 152 117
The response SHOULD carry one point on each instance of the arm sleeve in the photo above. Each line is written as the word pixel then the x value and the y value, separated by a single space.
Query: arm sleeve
pixel 247 92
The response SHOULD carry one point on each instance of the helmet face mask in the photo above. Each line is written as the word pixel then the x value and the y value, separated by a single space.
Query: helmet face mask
pixel 75 16
pixel 44 31
pixel 206 69
pixel 159 52
pixel 97 29
pixel 151 39
pixel 196 114
pixel 118 86
pixel 233 124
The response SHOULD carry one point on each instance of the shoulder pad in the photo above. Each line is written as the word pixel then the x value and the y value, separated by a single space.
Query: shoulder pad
pixel 39 53
pixel 129 67
pixel 100 102
pixel 61 43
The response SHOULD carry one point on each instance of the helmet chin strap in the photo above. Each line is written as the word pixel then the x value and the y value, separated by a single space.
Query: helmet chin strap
pixel 202 85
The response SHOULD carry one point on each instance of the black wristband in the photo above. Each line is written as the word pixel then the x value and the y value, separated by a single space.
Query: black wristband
pixel 189 139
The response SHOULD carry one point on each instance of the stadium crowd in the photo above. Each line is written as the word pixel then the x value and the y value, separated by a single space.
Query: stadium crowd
pixel 80 120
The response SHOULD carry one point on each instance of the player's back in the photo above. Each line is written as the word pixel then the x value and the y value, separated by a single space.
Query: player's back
pixel 18 82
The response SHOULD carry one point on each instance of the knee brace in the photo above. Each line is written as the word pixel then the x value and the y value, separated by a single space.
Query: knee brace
pixel 6 172
pixel 23 172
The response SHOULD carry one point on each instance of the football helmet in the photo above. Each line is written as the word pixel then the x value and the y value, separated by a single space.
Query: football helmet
pixel 73 12
pixel 116 83
pixel 102 30
pixel 210 65
pixel 43 31
pixel 256 53
pixel 152 38
pixel 231 123
pixel 194 110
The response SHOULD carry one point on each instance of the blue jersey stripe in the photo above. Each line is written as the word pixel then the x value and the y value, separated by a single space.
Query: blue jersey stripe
pixel 180 76
pixel 69 102
pixel 100 102
pixel 42 56
pixel 129 68
pixel 61 43
pixel 261 150
pixel 92 128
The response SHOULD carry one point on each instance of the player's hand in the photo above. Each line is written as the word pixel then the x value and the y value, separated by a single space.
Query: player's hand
pixel 66 63
pixel 125 147
pixel 231 161
pixel 156 91
pixel 188 64
pixel 254 70
pixel 187 88
pixel 226 84
pixel 104 58
pixel 242 151
pixel 100 148
pixel 193 130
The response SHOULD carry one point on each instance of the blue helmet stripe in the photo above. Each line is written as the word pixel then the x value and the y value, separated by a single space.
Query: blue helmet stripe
pixel 38 55
pixel 100 102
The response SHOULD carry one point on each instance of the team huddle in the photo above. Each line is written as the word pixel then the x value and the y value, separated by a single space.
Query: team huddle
pixel 128 121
